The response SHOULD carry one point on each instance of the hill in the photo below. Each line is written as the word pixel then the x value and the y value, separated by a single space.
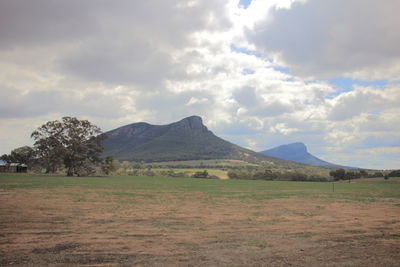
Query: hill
pixel 187 139
pixel 298 152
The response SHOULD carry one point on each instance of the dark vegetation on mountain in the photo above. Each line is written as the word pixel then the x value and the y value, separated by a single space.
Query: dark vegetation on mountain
pixel 298 152
pixel 187 139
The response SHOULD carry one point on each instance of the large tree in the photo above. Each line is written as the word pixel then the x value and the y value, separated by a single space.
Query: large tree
pixel 76 143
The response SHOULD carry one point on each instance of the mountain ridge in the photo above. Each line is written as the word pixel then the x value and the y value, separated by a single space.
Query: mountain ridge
pixel 298 152
pixel 187 139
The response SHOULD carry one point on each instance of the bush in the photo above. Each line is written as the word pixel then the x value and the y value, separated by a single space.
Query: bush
pixel 338 174
pixel 149 172
pixel 264 175
pixel 299 177
pixel 203 174
pixel 172 173
pixel 120 171
pixel 395 173
pixel 377 174
pixel 133 172
pixel 317 178
pixel 240 174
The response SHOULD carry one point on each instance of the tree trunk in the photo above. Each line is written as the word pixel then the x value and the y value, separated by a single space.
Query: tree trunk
pixel 70 172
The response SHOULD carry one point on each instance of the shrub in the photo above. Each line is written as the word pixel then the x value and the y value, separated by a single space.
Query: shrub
pixel 338 174
pixel 317 178
pixel 264 175
pixel 395 173
pixel 203 174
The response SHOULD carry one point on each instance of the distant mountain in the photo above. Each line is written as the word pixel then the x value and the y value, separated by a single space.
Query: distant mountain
pixel 297 152
pixel 187 139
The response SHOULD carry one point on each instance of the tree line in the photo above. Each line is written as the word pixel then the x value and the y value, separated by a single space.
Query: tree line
pixel 72 144
pixel 342 174
pixel 267 174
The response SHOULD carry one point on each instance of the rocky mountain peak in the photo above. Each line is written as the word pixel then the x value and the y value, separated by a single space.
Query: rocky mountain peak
pixel 296 147
pixel 194 123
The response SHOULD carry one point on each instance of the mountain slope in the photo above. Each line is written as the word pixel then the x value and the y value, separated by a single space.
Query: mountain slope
pixel 187 139
pixel 298 152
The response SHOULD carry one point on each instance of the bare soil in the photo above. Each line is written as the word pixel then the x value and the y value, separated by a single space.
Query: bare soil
pixel 64 227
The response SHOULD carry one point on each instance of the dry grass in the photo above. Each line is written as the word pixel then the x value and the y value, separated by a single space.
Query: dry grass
pixel 76 225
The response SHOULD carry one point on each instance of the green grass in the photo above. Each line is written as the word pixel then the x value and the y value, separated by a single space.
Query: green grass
pixel 150 187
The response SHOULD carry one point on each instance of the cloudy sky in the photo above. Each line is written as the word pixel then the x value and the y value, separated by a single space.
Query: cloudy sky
pixel 261 73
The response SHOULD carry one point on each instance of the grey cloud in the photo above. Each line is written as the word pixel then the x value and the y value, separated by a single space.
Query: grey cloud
pixel 363 100
pixel 123 42
pixel 15 105
pixel 41 21
pixel 109 63
pixel 164 106
pixel 256 105
pixel 247 97
pixel 40 103
pixel 332 37
pixel 23 23
pixel 385 122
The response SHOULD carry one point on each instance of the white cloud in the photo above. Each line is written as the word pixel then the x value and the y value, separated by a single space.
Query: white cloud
pixel 358 38
pixel 282 128
pixel 160 61
pixel 194 101
pixel 364 100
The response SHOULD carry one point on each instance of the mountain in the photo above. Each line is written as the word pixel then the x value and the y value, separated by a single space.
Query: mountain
pixel 187 139
pixel 297 152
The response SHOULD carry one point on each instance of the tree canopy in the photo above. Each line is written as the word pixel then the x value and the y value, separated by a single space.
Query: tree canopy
pixel 24 155
pixel 72 142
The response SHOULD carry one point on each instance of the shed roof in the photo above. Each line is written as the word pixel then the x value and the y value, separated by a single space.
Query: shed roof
pixel 13 164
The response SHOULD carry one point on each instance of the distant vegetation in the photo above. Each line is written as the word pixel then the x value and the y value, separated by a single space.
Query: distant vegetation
pixel 75 147
pixel 342 174
pixel 268 174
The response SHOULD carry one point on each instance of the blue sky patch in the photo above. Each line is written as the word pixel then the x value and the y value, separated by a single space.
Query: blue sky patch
pixel 347 83
pixel 242 50
pixel 244 3
pixel 248 71
pixel 282 69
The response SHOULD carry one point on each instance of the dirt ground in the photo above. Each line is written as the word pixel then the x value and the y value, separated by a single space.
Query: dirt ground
pixel 64 227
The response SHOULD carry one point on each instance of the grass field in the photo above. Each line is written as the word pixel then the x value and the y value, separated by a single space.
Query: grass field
pixel 159 221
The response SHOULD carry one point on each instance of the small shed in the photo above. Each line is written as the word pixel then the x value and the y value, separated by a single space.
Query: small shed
pixel 13 167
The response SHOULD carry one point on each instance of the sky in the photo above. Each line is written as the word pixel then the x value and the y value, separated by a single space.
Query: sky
pixel 261 73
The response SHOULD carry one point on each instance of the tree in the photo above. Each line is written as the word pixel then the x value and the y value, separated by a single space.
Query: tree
pixel 6 158
pixel 107 165
pixel 76 143
pixel 338 174
pixel 23 155
pixel 394 173
pixel 363 173
pixel 48 146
